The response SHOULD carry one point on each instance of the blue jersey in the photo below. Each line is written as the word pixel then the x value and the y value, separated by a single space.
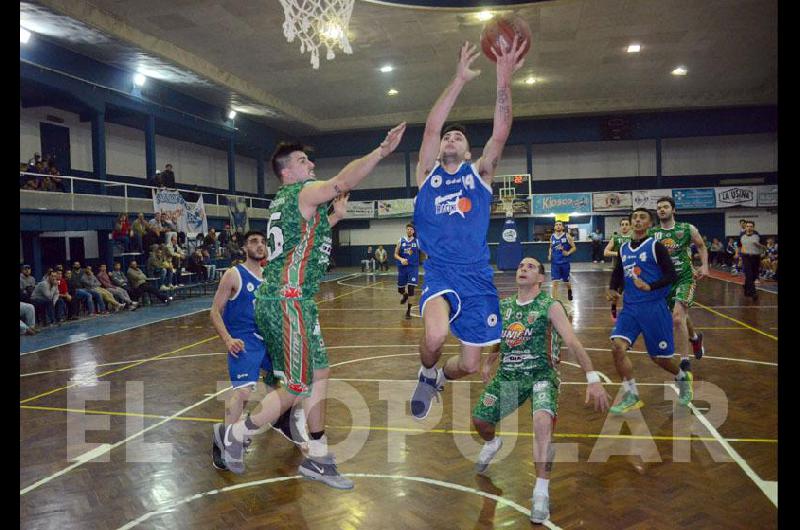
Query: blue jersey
pixel 240 315
pixel 409 249
pixel 641 263
pixel 559 245
pixel 451 215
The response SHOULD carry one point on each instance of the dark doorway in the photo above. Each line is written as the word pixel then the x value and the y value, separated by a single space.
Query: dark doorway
pixel 76 250
pixel 54 251
pixel 55 143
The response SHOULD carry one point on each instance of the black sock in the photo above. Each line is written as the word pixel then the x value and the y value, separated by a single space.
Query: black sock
pixel 316 435
pixel 249 425
pixel 686 366
pixel 283 422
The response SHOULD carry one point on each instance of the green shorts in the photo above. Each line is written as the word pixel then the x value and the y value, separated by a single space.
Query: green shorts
pixel 683 291
pixel 509 390
pixel 294 341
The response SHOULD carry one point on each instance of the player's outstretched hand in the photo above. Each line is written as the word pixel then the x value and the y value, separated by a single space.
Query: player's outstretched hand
pixel 392 140
pixel 598 395
pixel 234 346
pixel 404 261
pixel 340 205
pixel 509 59
pixel 469 52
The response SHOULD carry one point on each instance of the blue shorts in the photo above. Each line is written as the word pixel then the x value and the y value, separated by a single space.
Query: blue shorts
pixel 407 275
pixel 244 369
pixel 653 320
pixel 473 299
pixel 559 271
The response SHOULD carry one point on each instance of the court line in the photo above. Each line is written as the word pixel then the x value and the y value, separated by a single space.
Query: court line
pixel 413 429
pixel 449 485
pixel 770 490
pixel 705 356
pixel 101 450
pixel 346 294
pixel 773 337
pixel 133 365
pixel 757 286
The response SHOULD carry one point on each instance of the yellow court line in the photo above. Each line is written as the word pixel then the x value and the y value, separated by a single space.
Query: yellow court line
pixel 773 337
pixel 126 367
pixel 411 430
pixel 579 328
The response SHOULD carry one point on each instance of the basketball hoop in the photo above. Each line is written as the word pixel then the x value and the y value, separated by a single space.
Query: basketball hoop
pixel 318 22
pixel 507 196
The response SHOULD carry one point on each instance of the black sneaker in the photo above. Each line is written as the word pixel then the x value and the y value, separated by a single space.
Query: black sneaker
pixel 569 294
pixel 216 458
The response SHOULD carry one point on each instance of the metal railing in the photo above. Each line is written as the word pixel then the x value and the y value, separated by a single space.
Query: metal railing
pixel 90 186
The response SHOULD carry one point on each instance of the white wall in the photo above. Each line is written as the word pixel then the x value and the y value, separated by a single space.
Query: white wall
pixel 709 155
pixel 246 174
pixel 386 232
pixel 389 173
pixel 583 160
pixel 193 164
pixel 766 221
pixel 125 151
pixel 80 135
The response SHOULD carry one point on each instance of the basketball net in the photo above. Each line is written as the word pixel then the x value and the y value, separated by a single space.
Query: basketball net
pixel 318 22
pixel 507 196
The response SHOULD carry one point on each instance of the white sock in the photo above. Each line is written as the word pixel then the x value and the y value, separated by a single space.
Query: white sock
pixel 681 374
pixel 430 373
pixel 493 442
pixel 318 448
pixel 542 486
pixel 630 386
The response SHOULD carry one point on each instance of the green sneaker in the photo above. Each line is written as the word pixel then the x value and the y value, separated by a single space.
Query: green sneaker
pixel 629 402
pixel 686 390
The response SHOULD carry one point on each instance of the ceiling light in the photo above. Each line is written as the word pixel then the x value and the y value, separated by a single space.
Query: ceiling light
pixel 24 35
pixel 530 80
pixel 680 71
pixel 139 79
pixel 386 69
pixel 634 48
pixel 392 92
pixel 483 16
pixel 231 114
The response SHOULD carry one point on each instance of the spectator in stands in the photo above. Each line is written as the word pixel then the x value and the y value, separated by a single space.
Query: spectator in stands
pixel 120 294
pixel 195 265
pixel 168 177
pixel 176 254
pixel 382 258
pixel 46 274
pixel 166 260
pixel 55 177
pixel 232 249
pixel 33 161
pixel 225 235
pixel 138 285
pixel 77 283
pixel 769 265
pixel 78 295
pixel 210 263
pixel 118 277
pixel 27 319
pixel 123 231
pixel 45 296
pixel 211 244
pixel 155 228
pixel 27 283
pixel 155 267
pixel 90 281
pixel 716 251
pixel 64 304
pixel 139 230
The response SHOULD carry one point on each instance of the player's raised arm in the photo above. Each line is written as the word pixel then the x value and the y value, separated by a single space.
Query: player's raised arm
pixel 429 150
pixel 508 61
pixel 353 173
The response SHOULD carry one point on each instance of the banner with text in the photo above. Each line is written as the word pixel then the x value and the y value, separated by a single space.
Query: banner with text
pixel 736 196
pixel 562 203
pixel 396 208
pixel 360 209
pixel 768 195
pixel 613 200
pixel 522 206
pixel 694 198
pixel 647 198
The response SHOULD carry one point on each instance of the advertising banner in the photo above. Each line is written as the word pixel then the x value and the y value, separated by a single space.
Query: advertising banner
pixel 610 201
pixel 562 203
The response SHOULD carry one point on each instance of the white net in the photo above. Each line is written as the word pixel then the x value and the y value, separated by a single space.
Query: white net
pixel 317 23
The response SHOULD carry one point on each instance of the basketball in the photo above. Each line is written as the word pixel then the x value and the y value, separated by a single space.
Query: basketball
pixel 499 33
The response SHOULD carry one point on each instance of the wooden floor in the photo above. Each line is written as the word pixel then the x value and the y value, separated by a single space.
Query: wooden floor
pixel 407 474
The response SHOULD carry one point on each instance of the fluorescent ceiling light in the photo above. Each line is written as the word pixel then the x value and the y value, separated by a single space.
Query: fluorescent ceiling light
pixel 231 114
pixel 386 69
pixel 24 35
pixel 392 92
pixel 634 48
pixel 483 16
pixel 680 71
pixel 530 80
pixel 139 79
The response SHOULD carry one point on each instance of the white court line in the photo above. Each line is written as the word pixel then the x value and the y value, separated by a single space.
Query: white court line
pixel 757 286
pixel 769 488
pixel 449 485
pixel 103 449
pixel 358 380
pixel 749 361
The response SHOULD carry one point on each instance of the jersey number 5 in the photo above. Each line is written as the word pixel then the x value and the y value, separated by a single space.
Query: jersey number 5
pixel 274 237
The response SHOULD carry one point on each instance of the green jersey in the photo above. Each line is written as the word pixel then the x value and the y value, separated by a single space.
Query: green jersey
pixel 678 241
pixel 299 250
pixel 618 240
pixel 528 341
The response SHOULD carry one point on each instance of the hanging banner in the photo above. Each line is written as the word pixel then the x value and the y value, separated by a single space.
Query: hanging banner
pixel 767 195
pixel 562 203
pixel 237 210
pixel 360 209
pixel 648 198
pixel 736 196
pixel 396 208
pixel 609 201
pixel 687 198
pixel 196 221
pixel 188 218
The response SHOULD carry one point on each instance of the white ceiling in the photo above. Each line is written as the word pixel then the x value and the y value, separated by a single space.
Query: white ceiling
pixel 235 52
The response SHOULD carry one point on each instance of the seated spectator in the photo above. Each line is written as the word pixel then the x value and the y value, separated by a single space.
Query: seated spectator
pixel 155 268
pixel 137 281
pixel 64 304
pixel 195 265
pixel 176 254
pixel 45 296
pixel 166 260
pixel 382 258
pixel 77 296
pixel 368 261
pixel 210 243
pixel 210 264
pixel 169 222
pixel 75 283
pixel 90 281
pixel 123 232
pixel 139 229
pixel 225 235
pixel 118 277
pixel 46 273
pixel 232 248
pixel 120 294
pixel 155 229
pixel 27 319
pixel 27 283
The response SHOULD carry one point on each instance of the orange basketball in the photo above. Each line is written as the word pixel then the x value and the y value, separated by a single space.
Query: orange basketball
pixel 499 33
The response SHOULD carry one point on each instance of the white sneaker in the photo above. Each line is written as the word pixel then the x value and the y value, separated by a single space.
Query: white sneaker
pixel 488 451
pixel 540 510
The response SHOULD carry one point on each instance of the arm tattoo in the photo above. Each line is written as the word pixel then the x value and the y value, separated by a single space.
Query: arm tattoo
pixel 503 102
pixel 337 189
